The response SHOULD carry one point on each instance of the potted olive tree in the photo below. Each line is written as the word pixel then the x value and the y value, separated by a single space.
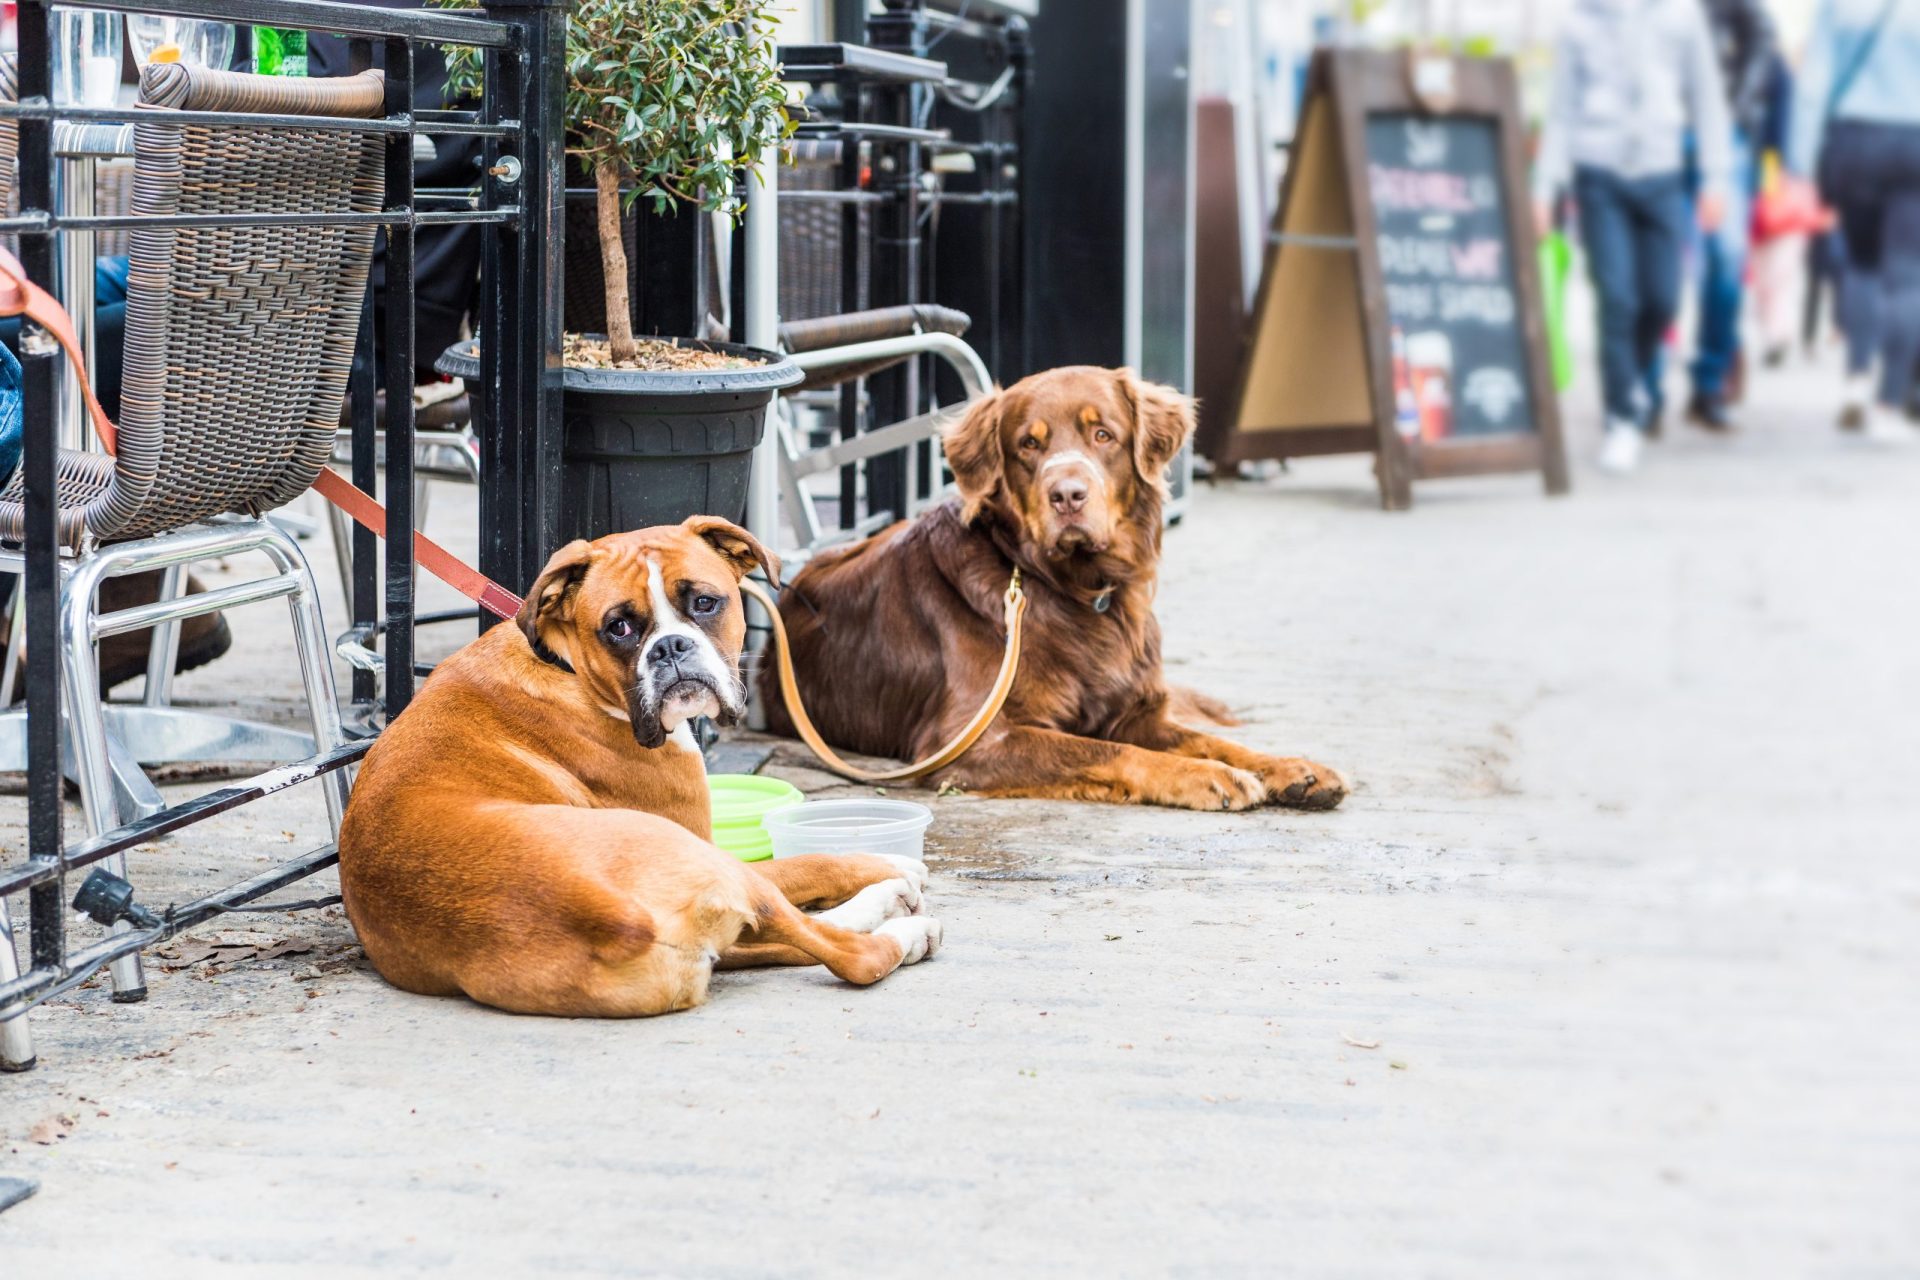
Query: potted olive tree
pixel 671 102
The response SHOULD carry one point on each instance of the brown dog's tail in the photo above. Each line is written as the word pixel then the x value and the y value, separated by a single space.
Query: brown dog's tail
pixel 1190 707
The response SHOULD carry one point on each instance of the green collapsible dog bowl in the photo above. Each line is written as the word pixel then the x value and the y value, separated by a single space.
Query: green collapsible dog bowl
pixel 740 802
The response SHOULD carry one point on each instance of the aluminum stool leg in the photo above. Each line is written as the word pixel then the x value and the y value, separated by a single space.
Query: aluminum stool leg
pixel 16 1038
pixel 316 670
pixel 16 632
pixel 163 648
pixel 87 726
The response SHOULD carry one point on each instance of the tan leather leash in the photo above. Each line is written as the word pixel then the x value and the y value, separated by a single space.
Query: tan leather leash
pixel 20 296
pixel 1016 606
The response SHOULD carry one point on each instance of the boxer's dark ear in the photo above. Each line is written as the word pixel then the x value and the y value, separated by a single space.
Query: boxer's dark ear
pixel 736 546
pixel 975 453
pixel 553 590
pixel 1162 423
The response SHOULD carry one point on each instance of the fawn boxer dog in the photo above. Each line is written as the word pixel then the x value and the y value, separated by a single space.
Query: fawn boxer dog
pixel 1059 475
pixel 533 831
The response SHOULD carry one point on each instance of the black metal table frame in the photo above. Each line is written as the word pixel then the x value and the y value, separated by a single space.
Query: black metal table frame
pixel 886 89
pixel 520 120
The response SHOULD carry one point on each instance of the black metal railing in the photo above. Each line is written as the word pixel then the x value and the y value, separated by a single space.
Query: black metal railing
pixel 517 202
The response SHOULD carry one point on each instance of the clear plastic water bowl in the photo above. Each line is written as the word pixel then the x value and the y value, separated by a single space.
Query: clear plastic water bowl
pixel 897 827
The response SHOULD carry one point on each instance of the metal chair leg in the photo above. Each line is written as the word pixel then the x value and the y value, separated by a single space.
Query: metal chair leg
pixel 16 633
pixel 163 652
pixel 342 526
pixel 316 671
pixel 87 730
pixel 16 1038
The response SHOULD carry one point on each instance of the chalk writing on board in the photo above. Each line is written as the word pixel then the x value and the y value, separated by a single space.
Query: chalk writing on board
pixel 1446 265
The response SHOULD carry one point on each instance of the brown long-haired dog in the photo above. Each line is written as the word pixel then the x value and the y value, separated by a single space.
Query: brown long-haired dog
pixel 897 639
pixel 533 831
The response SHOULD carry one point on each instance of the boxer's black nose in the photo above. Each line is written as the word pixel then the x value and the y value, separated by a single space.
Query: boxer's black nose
pixel 669 649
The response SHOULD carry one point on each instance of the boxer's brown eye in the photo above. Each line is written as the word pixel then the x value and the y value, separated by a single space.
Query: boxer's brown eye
pixel 704 606
pixel 620 629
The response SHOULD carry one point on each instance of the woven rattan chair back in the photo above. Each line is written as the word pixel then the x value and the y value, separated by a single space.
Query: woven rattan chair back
pixel 238 339
pixel 9 144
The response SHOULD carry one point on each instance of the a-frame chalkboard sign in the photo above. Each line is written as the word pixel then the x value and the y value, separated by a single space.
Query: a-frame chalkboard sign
pixel 1399 312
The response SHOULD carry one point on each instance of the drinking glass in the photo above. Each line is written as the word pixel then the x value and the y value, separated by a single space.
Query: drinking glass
pixel 86 57
pixel 201 43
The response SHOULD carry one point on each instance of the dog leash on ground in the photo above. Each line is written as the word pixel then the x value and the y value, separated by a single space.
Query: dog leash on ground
pixel 20 296
pixel 1015 601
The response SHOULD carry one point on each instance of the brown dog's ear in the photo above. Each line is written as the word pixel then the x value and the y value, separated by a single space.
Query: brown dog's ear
pixel 553 587
pixel 975 452
pixel 736 546
pixel 1162 423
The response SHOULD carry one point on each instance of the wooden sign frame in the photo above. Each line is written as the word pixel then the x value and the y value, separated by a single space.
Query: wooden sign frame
pixel 1320 379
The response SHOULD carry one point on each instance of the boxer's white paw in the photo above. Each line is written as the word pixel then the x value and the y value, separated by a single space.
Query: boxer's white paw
pixel 918 936
pixel 913 869
pixel 868 909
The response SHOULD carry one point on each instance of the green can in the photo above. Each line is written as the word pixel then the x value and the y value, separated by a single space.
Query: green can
pixel 279 51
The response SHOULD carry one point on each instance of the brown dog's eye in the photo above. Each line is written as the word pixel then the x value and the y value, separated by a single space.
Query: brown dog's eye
pixel 1029 443
pixel 1103 436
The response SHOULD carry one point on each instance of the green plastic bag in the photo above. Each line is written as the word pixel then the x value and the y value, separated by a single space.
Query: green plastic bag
pixel 1556 267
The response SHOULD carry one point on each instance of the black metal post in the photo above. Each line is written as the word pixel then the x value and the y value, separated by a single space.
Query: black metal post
pixel 1011 169
pixel 46 839
pixel 853 253
pixel 364 604
pixel 399 369
pixel 40 583
pixel 522 304
pixel 895 393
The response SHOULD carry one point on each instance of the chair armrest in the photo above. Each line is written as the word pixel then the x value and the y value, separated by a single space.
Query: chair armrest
pixel 870 326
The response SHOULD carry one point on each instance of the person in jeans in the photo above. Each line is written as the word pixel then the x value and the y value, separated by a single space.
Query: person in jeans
pixel 1856 129
pixel 1743 34
pixel 1631 77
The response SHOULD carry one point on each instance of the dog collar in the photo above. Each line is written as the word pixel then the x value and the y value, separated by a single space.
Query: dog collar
pixel 551 658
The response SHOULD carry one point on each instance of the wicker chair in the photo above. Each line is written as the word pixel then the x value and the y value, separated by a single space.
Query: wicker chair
pixel 238 346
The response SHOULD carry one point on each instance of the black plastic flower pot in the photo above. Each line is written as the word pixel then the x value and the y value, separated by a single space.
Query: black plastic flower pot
pixel 647 448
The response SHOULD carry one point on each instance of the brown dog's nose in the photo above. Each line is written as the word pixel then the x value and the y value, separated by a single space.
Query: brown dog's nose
pixel 669 649
pixel 1068 494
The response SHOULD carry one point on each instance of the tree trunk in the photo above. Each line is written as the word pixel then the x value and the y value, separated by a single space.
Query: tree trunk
pixel 613 262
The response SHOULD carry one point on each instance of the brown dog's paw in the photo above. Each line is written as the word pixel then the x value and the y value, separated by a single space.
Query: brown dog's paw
pixel 1302 784
pixel 1208 784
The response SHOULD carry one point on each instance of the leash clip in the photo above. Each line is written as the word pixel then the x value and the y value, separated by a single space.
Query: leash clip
pixel 1014 593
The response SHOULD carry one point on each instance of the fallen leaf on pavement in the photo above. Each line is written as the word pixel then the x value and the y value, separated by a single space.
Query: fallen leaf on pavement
pixel 1359 1044
pixel 50 1130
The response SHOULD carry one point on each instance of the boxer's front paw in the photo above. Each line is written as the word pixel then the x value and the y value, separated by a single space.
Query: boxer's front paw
pixel 918 936
pixel 874 905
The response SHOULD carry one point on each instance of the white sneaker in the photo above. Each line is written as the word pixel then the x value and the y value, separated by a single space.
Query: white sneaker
pixel 1620 449
pixel 1888 426
pixel 1856 398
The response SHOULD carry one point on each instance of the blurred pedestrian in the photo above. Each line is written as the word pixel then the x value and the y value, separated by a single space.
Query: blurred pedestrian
pixel 1856 129
pixel 1630 78
pixel 1743 35
pixel 1790 230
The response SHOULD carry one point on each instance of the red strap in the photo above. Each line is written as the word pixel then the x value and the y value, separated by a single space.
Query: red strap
pixel 430 555
pixel 20 296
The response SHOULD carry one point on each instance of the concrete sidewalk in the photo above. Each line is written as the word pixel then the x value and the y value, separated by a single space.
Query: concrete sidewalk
pixel 1625 898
